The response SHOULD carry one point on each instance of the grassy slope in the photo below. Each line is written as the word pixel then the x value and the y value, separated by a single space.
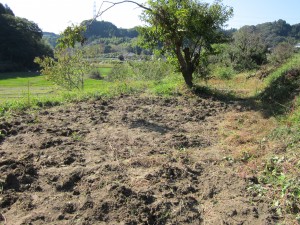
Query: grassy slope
pixel 266 139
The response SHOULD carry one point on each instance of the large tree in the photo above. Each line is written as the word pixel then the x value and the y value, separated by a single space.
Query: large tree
pixel 247 50
pixel 185 29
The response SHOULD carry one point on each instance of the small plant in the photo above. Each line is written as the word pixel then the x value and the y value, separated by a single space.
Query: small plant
pixel 68 67
pixel 257 189
pixel 229 159
pixel 224 73
pixel 76 136
pixel 1 187
pixel 2 135
pixel 282 187
pixel 95 74
pixel 141 71
pixel 246 156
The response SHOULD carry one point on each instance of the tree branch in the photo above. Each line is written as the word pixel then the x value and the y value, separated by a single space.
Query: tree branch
pixel 100 13
pixel 117 3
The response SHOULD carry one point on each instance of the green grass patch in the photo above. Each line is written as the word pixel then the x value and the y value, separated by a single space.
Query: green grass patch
pixel 170 85
pixel 30 90
pixel 104 71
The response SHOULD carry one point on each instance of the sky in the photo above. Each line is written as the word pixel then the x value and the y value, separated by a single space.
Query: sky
pixel 56 15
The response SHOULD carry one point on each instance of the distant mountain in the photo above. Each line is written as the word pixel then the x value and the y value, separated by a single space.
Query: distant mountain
pixel 278 31
pixel 96 29
pixel 104 29
pixel 50 38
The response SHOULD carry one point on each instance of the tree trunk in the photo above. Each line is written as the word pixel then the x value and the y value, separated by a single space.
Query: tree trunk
pixel 186 66
pixel 188 77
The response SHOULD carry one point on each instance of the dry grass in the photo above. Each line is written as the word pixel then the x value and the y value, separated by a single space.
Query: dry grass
pixel 242 85
pixel 244 135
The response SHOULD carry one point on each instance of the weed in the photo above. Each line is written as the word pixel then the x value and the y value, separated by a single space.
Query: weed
pixel 1 186
pixel 224 73
pixel 2 135
pixel 146 70
pixel 229 159
pixel 284 189
pixel 95 74
pixel 246 156
pixel 257 189
pixel 76 136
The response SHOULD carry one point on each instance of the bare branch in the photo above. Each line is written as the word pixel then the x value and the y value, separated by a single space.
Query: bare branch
pixel 100 13
pixel 117 3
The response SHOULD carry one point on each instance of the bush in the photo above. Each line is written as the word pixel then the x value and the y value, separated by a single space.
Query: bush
pixel 281 53
pixel 140 70
pixel 95 74
pixel 120 72
pixel 224 73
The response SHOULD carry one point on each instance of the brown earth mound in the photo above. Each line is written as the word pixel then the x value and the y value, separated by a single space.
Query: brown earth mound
pixel 128 160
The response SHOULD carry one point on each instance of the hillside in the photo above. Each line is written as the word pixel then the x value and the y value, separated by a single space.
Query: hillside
pixel 104 29
pixel 272 33
pixel 50 38
pixel 20 42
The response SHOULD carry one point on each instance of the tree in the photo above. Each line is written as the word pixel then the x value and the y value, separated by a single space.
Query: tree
pixel 281 52
pixel 68 67
pixel 247 50
pixel 185 29
pixel 4 9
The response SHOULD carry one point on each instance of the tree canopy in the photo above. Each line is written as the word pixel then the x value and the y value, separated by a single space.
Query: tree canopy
pixel 273 33
pixel 185 30
pixel 20 40
pixel 247 49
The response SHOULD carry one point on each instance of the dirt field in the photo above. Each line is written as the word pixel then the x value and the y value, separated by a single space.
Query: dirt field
pixel 128 160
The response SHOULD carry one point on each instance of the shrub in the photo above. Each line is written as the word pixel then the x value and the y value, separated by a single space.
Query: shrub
pixel 120 72
pixel 140 70
pixel 224 73
pixel 95 74
pixel 281 53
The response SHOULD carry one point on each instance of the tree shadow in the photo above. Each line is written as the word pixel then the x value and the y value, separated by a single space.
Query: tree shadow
pixel 279 96
pixel 12 75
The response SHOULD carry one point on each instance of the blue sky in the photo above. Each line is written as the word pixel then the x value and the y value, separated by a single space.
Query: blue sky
pixel 252 12
pixel 56 15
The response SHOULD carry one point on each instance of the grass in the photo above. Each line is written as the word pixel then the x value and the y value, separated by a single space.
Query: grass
pixel 266 140
pixel 240 85
pixel 20 91
pixel 16 85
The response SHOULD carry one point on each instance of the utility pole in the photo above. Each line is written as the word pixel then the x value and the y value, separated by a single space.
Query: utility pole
pixel 94 10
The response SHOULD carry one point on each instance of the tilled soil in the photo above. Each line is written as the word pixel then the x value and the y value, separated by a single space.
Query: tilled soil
pixel 127 160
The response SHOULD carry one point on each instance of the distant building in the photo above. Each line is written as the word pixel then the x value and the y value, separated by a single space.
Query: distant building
pixel 297 46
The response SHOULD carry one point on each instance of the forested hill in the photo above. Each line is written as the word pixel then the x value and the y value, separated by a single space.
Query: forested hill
pixel 20 41
pixel 278 31
pixel 103 29
pixel 95 30
pixel 51 38
pixel 271 32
